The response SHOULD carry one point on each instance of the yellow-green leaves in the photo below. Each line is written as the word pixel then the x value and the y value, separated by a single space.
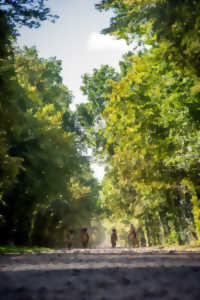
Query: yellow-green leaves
pixel 150 138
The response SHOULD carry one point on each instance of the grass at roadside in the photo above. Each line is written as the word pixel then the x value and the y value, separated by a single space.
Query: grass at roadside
pixel 21 249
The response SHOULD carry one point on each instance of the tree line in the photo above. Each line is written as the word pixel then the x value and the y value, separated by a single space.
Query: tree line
pixel 46 183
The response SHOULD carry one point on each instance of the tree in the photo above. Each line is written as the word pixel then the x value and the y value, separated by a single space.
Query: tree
pixel 46 183
pixel 12 15
pixel 173 25
pixel 25 13
pixel 97 88
pixel 50 163
pixel 151 119
pixel 151 133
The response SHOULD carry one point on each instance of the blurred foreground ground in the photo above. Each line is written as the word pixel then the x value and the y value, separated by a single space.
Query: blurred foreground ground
pixel 104 274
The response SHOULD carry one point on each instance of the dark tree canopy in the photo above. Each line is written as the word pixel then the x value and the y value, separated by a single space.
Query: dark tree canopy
pixel 26 12
pixel 46 183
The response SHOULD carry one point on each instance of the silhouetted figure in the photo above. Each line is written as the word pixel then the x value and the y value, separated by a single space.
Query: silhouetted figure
pixel 84 237
pixel 132 236
pixel 114 237
pixel 69 239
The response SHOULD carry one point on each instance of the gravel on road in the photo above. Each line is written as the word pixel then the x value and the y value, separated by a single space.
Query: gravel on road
pixel 101 274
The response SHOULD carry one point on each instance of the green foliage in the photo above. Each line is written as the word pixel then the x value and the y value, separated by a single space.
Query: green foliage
pixel 5 32
pixel 143 121
pixel 170 23
pixel 26 13
pixel 46 184
pixel 151 132
pixel 152 121
pixel 40 202
pixel 97 87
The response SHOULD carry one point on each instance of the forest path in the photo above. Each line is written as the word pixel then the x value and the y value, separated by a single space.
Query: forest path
pixel 103 274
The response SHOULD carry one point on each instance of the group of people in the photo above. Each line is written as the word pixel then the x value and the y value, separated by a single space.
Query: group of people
pixel 132 236
pixel 84 237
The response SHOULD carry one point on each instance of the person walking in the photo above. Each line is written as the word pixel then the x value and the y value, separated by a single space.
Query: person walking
pixel 132 236
pixel 69 239
pixel 84 237
pixel 114 238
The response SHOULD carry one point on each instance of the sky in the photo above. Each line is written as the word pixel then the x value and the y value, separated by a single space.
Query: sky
pixel 76 39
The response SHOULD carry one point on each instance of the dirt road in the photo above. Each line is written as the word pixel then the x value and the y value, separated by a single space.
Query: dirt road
pixel 102 274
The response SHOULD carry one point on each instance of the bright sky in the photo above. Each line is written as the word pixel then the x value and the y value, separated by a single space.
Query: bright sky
pixel 75 39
